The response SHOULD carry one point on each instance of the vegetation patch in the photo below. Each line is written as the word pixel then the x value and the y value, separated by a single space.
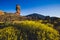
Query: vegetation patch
pixel 28 30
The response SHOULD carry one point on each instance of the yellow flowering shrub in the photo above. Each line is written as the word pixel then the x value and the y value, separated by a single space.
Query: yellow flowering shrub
pixel 28 30
pixel 38 31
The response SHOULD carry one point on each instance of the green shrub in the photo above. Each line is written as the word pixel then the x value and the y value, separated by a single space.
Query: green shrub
pixel 28 30
pixel 9 33
pixel 37 31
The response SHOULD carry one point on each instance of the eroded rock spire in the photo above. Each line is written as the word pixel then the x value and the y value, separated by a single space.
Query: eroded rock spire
pixel 17 9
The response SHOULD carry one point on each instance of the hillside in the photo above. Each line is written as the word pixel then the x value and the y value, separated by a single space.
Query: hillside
pixel 10 17
pixel 30 27
pixel 55 21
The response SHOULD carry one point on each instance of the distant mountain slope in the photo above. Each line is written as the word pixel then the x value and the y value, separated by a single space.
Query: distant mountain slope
pixel 39 16
pixel 36 16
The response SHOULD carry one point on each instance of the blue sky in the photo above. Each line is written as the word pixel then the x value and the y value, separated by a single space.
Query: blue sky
pixel 44 7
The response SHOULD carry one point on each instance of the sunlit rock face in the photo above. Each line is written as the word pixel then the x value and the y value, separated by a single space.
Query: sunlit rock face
pixel 17 9
pixel 1 13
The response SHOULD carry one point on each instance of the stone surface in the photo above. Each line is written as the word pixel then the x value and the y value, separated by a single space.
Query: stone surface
pixel 17 9
pixel 1 13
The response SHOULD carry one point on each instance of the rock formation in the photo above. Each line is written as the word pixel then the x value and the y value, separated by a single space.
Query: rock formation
pixel 17 9
pixel 1 13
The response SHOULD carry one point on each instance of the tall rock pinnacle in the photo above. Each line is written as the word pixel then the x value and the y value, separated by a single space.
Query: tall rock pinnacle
pixel 17 9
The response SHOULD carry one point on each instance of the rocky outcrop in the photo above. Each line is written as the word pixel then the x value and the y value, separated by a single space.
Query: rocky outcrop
pixel 1 13
pixel 17 9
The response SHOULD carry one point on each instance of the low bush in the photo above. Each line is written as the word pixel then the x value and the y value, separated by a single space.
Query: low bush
pixel 28 30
